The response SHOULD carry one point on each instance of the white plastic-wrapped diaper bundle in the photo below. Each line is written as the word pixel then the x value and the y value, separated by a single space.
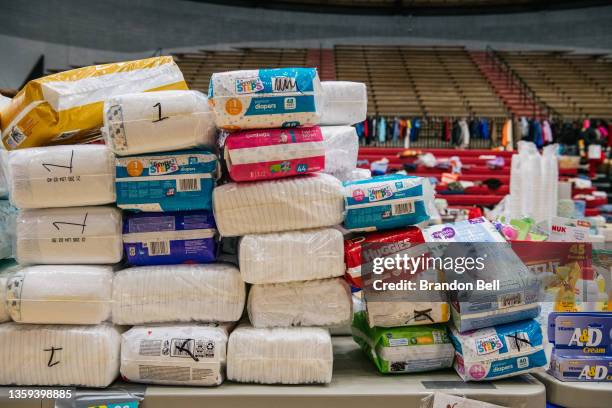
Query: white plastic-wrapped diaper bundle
pixel 158 122
pixel 78 235
pixel 178 293
pixel 356 174
pixel 266 98
pixel 292 256
pixel 7 268
pixel 341 148
pixel 174 354
pixel 401 313
pixel 324 302
pixel 514 201
pixel 550 182
pixel 61 176
pixel 297 355
pixel 60 294
pixel 85 356
pixel 7 228
pixel 311 201
pixel 3 176
pixel 344 102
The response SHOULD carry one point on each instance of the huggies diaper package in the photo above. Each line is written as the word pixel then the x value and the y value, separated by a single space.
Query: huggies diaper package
pixel 169 238
pixel 274 153
pixel 385 202
pixel 266 98
pixel 500 351
pixel 161 121
pixel 172 181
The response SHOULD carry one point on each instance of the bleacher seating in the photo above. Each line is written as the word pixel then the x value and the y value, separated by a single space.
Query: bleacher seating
pixel 575 86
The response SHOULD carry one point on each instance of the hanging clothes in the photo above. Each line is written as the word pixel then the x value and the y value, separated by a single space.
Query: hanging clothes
pixel 507 135
pixel 447 130
pixel 382 130
pixel 524 128
pixel 456 134
pixel 484 129
pixel 537 133
pixel 465 133
pixel 415 129
pixel 547 135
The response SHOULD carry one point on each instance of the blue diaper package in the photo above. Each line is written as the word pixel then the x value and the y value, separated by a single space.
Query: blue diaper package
pixel 500 351
pixel 172 181
pixel 581 333
pixel 169 238
pixel 385 202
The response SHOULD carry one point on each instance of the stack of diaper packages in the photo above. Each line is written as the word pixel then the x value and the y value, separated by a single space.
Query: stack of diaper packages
pixel 181 303
pixel 582 346
pixel 67 238
pixel 284 206
pixel 494 330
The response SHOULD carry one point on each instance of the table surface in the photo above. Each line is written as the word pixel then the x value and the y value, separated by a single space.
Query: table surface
pixel 576 394
pixel 355 384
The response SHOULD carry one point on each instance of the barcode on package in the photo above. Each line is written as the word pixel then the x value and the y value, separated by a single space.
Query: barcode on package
pixel 402 208
pixel 157 248
pixel 188 185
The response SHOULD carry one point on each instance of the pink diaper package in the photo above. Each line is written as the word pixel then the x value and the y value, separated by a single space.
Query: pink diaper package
pixel 274 153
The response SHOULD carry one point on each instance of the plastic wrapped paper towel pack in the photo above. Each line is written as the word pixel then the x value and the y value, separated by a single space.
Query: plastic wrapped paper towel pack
pixel 171 181
pixel 344 102
pixel 140 123
pixel 296 355
pixel 325 302
pixel 266 98
pixel 60 294
pixel 311 201
pixel 61 176
pixel 404 349
pixel 178 293
pixel 174 354
pixel 169 238
pixel 77 235
pixel 499 351
pixel 291 256
pixel 341 148
pixel 7 268
pixel 268 154
pixel 67 107
pixel 86 356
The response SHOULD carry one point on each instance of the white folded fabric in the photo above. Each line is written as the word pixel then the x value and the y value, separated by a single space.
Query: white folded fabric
pixel 341 148
pixel 311 201
pixel 325 302
pixel 158 122
pixel 61 176
pixel 60 294
pixel 178 293
pixel 85 356
pixel 78 235
pixel 174 354
pixel 292 256
pixel 297 355
pixel 344 102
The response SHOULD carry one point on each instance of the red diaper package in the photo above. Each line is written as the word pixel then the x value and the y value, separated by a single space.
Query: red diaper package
pixel 268 154
pixel 355 256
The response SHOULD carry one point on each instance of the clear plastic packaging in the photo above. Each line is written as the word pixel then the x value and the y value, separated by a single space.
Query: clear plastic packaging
pixel 269 154
pixel 174 354
pixel 140 123
pixel 297 355
pixel 266 98
pixel 401 313
pixel 295 203
pixel 325 302
pixel 77 235
pixel 61 176
pixel 60 294
pixel 291 256
pixel 86 356
pixel 341 148
pixel 178 293
pixel 8 214
pixel 409 349
pixel 444 400
pixel 3 176
pixel 7 268
pixel 344 102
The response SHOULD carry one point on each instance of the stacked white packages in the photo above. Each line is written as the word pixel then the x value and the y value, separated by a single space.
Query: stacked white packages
pixel 291 256
pixel 61 176
pixel 175 354
pixel 323 302
pixel 60 294
pixel 7 268
pixel 85 356
pixel 178 293
pixel 311 201
pixel 341 149
pixel 344 103
pixel 141 122
pixel 299 355
pixel 76 235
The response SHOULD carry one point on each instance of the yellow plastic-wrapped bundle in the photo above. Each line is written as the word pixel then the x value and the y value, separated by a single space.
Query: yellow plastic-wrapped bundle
pixel 66 108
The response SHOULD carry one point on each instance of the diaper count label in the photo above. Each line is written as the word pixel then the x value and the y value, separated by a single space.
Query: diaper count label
pixel 130 404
